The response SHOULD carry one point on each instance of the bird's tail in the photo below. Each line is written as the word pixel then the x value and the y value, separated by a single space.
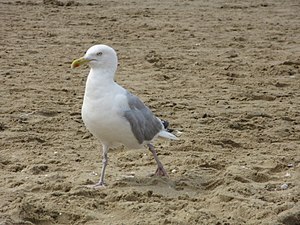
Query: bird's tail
pixel 167 132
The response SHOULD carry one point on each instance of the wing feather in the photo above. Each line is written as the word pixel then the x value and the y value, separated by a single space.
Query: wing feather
pixel 144 124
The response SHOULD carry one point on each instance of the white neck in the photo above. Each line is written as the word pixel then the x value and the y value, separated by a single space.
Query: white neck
pixel 99 82
pixel 102 74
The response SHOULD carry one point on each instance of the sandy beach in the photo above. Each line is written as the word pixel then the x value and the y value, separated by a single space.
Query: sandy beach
pixel 224 73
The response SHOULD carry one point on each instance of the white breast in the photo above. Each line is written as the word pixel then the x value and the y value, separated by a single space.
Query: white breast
pixel 102 113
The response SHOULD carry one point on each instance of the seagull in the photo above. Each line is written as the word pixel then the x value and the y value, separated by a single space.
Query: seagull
pixel 113 114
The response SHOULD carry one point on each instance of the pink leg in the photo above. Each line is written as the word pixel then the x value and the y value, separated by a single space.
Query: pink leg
pixel 160 171
pixel 104 164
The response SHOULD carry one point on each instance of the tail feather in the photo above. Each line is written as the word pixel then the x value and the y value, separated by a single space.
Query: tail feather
pixel 166 134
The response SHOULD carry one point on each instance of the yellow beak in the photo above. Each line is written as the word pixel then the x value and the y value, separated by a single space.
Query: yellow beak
pixel 79 62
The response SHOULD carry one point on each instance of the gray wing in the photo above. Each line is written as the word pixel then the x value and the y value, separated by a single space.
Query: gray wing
pixel 143 122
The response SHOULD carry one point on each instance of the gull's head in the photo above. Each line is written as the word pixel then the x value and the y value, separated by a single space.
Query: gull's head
pixel 98 56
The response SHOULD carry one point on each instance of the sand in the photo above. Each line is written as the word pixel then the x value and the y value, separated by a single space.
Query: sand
pixel 225 73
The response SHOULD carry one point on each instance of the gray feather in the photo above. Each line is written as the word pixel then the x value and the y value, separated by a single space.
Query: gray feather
pixel 143 122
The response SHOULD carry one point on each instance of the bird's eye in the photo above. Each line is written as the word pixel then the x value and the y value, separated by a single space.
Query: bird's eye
pixel 99 53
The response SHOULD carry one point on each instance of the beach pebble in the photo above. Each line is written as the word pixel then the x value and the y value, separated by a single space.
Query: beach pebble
pixel 94 173
pixel 287 174
pixel 284 186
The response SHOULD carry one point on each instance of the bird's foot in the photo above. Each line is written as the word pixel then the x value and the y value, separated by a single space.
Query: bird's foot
pixel 97 185
pixel 160 171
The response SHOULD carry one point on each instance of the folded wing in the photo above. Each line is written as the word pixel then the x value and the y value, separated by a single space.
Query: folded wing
pixel 144 124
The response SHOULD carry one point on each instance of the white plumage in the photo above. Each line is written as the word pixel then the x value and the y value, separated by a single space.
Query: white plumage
pixel 111 113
